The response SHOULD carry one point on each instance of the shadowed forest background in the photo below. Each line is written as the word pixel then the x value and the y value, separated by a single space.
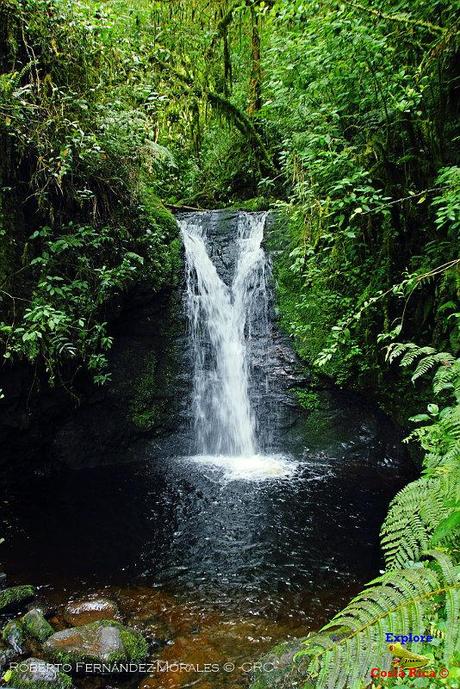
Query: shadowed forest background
pixel 342 118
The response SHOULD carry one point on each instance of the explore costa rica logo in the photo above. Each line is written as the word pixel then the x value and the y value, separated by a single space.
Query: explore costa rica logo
pixel 405 663
pixel 407 638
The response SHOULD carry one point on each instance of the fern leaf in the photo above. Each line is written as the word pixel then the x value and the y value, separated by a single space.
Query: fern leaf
pixel 428 362
pixel 414 353
pixel 414 514
pixel 452 639
pixel 394 601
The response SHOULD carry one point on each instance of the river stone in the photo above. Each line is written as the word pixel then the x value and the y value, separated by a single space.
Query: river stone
pixel 277 670
pixel 6 656
pixel 13 634
pixel 79 613
pixel 104 641
pixel 35 624
pixel 37 674
pixel 16 595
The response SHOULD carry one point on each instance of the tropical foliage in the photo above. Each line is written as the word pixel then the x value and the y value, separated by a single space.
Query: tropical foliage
pixel 420 589
pixel 342 116
pixel 80 218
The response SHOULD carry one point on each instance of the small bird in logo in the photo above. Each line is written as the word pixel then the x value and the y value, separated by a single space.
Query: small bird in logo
pixel 404 658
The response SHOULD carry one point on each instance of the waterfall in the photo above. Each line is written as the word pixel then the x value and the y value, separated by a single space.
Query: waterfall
pixel 225 321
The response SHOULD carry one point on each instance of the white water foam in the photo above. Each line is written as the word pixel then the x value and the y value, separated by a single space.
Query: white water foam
pixel 248 468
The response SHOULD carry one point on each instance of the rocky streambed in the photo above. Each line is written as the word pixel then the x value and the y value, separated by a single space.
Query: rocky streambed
pixel 137 637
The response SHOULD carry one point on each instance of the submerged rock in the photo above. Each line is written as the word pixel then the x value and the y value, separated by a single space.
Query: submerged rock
pixel 34 673
pixel 16 595
pixel 277 669
pixel 35 624
pixel 13 634
pixel 99 642
pixel 83 612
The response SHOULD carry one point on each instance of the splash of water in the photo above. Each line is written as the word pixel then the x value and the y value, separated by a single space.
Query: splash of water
pixel 251 468
pixel 222 322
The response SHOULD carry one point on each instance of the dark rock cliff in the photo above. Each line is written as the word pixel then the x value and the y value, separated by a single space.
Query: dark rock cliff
pixel 146 398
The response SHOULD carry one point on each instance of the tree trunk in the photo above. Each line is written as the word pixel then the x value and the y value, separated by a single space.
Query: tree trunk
pixel 255 84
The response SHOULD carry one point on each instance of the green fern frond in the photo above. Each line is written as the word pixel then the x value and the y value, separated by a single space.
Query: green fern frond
pixel 440 440
pixel 447 377
pixel 415 513
pixel 452 640
pixel 414 353
pixel 396 349
pixel 398 600
pixel 429 362
pixel 452 603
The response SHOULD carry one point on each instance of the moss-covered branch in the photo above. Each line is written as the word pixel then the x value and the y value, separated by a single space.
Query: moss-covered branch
pixel 399 18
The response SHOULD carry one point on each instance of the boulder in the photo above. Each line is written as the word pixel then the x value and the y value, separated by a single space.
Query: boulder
pixel 105 641
pixel 37 674
pixel 12 597
pixel 13 634
pixel 78 613
pixel 36 626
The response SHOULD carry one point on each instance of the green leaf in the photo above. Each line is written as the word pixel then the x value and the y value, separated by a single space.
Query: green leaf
pixel 446 527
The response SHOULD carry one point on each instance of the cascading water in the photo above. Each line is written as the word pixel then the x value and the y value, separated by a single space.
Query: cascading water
pixel 219 317
pixel 229 325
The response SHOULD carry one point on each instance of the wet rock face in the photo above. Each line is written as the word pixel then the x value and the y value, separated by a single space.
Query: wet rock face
pixel 6 656
pixel 34 673
pixel 272 366
pixel 13 634
pixel 98 642
pixel 79 613
pixel 148 396
pixel 221 231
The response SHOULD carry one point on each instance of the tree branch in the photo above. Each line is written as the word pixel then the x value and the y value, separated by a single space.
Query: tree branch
pixel 241 121
pixel 434 28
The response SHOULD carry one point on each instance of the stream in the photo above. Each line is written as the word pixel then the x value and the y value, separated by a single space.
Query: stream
pixel 261 528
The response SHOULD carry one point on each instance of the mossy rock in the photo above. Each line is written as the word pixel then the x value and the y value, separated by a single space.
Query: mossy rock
pixel 36 626
pixel 13 634
pixel 105 641
pixel 37 674
pixel 13 597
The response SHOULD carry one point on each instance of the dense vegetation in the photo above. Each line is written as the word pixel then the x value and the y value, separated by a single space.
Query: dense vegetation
pixel 80 218
pixel 344 116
